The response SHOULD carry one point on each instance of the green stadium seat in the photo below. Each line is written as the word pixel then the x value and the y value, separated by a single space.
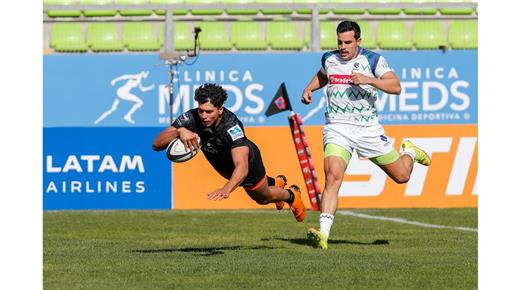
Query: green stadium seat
pixel 428 35
pixel 62 13
pixel 367 37
pixel 455 11
pixel 347 10
pixel 68 37
pixel 140 36
pixel 384 11
pixel 309 11
pixel 275 11
pixel 98 13
pixel 283 35
pixel 204 11
pixel 393 35
pixel 182 37
pixel 328 37
pixel 133 12
pixel 175 12
pixel 419 11
pixel 240 11
pixel 103 37
pixel 214 36
pixel 248 35
pixel 463 34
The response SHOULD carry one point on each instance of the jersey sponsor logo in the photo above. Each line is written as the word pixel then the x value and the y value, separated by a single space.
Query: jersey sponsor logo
pixel 235 132
pixel 340 79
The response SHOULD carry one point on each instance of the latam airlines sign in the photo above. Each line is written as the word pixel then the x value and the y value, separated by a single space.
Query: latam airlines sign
pixel 130 91
pixel 104 168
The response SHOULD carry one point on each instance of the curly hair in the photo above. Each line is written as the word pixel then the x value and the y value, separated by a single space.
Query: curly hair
pixel 212 93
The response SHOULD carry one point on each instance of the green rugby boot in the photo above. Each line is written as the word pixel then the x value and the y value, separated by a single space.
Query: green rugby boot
pixel 420 156
pixel 317 238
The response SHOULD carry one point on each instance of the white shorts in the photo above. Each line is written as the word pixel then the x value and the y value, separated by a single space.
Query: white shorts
pixel 367 141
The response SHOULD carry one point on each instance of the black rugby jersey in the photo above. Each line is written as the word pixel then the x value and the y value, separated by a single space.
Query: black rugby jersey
pixel 217 142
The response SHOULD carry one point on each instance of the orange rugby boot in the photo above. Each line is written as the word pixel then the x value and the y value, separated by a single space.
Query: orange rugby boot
pixel 281 182
pixel 297 206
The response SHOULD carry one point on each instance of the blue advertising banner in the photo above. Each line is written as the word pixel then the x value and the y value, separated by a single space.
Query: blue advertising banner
pixel 131 90
pixel 104 168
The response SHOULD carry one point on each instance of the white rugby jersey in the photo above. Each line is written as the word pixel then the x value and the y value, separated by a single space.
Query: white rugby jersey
pixel 350 103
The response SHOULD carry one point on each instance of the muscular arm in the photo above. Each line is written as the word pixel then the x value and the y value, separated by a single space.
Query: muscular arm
pixel 388 83
pixel 164 138
pixel 317 82
pixel 240 157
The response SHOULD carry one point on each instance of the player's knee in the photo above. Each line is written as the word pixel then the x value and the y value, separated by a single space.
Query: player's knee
pixel 401 178
pixel 262 200
pixel 333 177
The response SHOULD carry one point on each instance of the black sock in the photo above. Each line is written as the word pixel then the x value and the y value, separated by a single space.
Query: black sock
pixel 270 181
pixel 291 197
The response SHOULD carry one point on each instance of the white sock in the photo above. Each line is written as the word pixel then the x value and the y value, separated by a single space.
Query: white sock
pixel 410 152
pixel 326 221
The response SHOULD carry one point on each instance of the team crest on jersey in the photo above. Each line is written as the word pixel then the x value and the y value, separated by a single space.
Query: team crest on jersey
pixel 235 132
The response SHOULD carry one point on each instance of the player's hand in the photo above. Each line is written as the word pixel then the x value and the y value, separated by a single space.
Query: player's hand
pixel 359 78
pixel 189 139
pixel 218 194
pixel 307 96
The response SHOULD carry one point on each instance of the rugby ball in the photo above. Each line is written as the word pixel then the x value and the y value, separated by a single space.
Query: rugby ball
pixel 177 153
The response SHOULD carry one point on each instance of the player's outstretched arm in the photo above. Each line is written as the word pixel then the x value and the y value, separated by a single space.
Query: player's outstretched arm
pixel 164 138
pixel 240 157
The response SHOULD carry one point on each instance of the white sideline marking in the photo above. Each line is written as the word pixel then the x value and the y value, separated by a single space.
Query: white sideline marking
pixel 403 221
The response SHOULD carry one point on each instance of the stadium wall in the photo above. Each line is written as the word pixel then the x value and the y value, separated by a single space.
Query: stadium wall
pixel 109 164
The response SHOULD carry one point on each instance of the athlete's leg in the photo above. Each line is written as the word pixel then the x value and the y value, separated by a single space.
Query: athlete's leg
pixel 110 111
pixel 138 104
pixel 264 194
pixel 399 168
pixel 336 162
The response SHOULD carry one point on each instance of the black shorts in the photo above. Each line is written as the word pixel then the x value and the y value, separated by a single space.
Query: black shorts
pixel 256 173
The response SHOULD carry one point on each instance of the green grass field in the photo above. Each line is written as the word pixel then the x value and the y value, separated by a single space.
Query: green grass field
pixel 257 249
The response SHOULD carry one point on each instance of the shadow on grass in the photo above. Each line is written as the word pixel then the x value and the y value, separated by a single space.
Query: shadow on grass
pixel 332 241
pixel 208 251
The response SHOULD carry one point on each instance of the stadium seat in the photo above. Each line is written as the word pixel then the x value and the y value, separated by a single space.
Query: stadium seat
pixel 384 11
pixel 139 36
pixel 428 35
pixel 393 35
pixel 275 11
pixel 419 11
pixel 182 37
pixel 283 35
pixel 463 34
pixel 367 37
pixel 62 13
pixel 204 11
pixel 175 12
pixel 347 10
pixel 248 35
pixel 68 37
pixel 214 36
pixel 133 12
pixel 328 37
pixel 455 11
pixel 103 37
pixel 309 11
pixel 240 11
pixel 98 13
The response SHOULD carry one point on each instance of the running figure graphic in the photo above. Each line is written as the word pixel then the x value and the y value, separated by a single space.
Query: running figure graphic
pixel 124 93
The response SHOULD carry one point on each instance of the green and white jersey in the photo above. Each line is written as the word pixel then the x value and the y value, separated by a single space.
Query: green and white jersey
pixel 348 103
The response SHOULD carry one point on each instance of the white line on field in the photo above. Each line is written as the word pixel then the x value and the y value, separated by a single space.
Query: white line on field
pixel 403 221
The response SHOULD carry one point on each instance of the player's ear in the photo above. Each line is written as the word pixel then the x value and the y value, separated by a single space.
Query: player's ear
pixel 220 110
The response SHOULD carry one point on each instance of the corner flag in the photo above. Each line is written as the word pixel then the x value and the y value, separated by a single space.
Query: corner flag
pixel 280 102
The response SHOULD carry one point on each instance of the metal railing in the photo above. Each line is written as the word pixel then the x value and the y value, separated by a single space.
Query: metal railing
pixel 315 8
